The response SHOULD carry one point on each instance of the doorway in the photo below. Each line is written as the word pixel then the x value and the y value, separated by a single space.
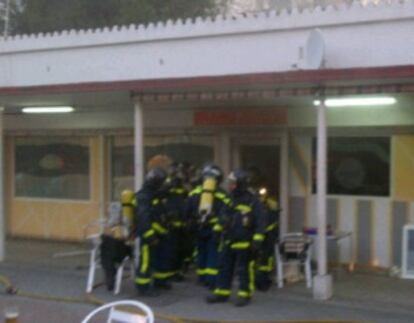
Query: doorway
pixel 264 158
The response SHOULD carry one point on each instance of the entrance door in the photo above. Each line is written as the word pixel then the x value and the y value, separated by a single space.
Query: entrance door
pixel 262 156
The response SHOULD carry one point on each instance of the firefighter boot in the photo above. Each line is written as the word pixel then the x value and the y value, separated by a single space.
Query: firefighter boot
pixel 242 301
pixel 216 299
pixel 163 285
pixel 148 293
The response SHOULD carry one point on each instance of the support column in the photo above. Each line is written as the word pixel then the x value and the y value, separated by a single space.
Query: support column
pixel 139 168
pixel 284 182
pixel 322 287
pixel 2 215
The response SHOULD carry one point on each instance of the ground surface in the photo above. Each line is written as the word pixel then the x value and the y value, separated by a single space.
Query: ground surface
pixel 30 265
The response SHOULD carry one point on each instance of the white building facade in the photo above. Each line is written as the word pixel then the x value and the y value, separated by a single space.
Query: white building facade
pixel 233 90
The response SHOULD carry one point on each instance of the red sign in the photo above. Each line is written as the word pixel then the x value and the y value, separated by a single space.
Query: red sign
pixel 240 118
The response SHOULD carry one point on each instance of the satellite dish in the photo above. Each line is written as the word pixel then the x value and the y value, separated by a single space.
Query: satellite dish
pixel 315 49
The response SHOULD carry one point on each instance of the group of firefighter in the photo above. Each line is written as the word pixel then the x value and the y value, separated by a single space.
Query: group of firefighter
pixel 183 220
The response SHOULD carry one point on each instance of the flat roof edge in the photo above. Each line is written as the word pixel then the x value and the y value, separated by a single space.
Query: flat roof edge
pixel 315 77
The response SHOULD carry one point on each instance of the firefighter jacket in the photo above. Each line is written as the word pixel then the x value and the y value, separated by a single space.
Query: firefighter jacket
pixel 149 214
pixel 242 222
pixel 175 206
pixel 204 225
pixel 272 215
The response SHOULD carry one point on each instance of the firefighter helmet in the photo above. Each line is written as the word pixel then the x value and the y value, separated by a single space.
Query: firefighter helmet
pixel 155 177
pixel 239 179
pixel 212 170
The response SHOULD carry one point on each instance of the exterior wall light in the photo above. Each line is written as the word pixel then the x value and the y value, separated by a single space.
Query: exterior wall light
pixel 48 109
pixel 352 102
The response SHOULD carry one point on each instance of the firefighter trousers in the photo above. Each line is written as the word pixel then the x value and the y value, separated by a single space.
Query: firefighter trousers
pixel 163 260
pixel 176 243
pixel 154 263
pixel 239 261
pixel 207 260
pixel 265 264
pixel 144 272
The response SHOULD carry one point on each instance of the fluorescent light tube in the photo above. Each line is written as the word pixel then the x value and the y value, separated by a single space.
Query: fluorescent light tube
pixel 352 102
pixel 48 109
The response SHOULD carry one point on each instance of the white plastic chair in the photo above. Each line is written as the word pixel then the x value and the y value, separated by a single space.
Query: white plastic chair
pixel 116 315
pixel 120 273
pixel 95 261
pixel 294 244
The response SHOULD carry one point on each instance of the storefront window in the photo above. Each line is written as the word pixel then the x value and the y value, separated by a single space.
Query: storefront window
pixel 194 149
pixel 357 166
pixel 52 168
pixel 122 165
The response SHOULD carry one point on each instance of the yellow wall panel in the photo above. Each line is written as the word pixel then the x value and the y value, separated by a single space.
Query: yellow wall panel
pixel 403 167
pixel 48 218
pixel 51 220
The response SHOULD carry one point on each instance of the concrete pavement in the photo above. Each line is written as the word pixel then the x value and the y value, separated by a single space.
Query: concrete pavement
pixel 358 297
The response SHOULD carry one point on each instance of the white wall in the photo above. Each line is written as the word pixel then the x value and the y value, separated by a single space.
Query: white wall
pixel 381 214
pixel 381 233
pixel 355 37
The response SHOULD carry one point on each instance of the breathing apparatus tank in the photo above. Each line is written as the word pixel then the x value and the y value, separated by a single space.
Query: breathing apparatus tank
pixel 127 201
pixel 212 176
pixel 207 197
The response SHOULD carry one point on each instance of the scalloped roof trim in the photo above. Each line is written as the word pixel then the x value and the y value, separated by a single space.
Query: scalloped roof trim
pixel 209 23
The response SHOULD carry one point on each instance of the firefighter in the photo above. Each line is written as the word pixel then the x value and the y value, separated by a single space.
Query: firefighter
pixel 175 205
pixel 203 207
pixel 151 230
pixel 186 169
pixel 266 259
pixel 189 237
pixel 242 226
pixel 195 178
